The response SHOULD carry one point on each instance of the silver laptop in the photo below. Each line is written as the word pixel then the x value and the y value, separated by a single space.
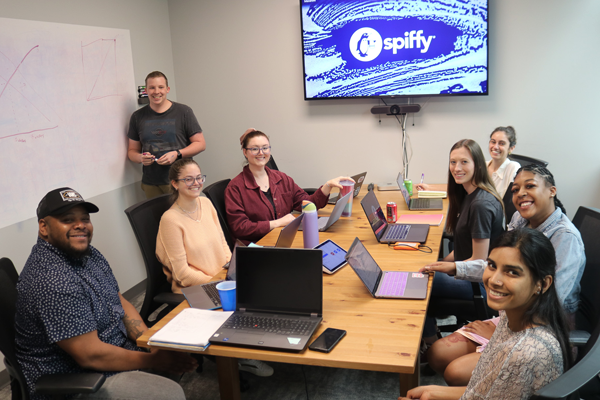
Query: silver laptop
pixel 418 204
pixel 390 233
pixel 279 299
pixel 288 233
pixel 206 296
pixel 325 222
pixel 385 284
pixel 358 182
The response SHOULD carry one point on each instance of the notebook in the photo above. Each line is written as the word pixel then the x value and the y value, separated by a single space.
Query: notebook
pixel 325 222
pixel 385 284
pixel 279 299
pixel 389 233
pixel 429 219
pixel 206 296
pixel 358 182
pixel 418 204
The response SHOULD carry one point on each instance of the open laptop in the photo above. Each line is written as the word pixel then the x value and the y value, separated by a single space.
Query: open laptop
pixel 325 222
pixel 288 233
pixel 389 233
pixel 385 284
pixel 279 299
pixel 358 182
pixel 418 204
pixel 206 296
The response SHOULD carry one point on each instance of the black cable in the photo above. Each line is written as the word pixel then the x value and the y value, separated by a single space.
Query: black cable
pixel 305 383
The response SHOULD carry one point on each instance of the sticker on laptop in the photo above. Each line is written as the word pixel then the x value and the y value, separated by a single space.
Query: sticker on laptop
pixel 418 275
pixel 293 340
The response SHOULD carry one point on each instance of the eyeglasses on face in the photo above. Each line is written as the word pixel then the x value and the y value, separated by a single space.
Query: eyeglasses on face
pixel 189 180
pixel 255 150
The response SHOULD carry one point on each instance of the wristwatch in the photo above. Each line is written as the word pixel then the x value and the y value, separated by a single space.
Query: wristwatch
pixel 179 156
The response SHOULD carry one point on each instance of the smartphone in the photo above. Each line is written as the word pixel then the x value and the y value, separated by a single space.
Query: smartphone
pixel 327 340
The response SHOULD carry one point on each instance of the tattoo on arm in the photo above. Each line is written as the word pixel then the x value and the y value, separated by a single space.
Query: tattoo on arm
pixel 133 327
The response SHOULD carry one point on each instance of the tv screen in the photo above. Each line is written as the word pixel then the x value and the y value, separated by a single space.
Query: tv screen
pixel 395 48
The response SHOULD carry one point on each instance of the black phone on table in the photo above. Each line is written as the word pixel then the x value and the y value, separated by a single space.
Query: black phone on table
pixel 327 340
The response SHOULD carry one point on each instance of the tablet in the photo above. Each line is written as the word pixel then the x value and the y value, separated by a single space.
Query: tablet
pixel 334 257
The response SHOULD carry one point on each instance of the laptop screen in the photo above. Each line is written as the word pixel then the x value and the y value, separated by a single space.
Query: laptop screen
pixel 403 189
pixel 280 280
pixel 374 213
pixel 364 265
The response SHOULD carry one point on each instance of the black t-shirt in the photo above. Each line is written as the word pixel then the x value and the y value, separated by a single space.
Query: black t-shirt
pixel 480 217
pixel 160 134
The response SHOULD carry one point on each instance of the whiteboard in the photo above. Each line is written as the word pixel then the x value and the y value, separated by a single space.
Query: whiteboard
pixel 66 95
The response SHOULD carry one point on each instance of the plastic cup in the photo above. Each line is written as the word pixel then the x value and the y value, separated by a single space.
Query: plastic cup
pixel 227 294
pixel 347 187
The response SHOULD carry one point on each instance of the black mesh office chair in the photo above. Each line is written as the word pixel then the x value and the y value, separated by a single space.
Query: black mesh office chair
pixel 509 207
pixel 216 194
pixel 525 160
pixel 55 385
pixel 271 164
pixel 144 218
pixel 582 380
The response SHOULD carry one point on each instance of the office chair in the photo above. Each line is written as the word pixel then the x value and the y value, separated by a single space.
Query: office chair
pixel 509 207
pixel 216 194
pixel 144 218
pixel 7 266
pixel 582 380
pixel 271 164
pixel 54 385
pixel 525 160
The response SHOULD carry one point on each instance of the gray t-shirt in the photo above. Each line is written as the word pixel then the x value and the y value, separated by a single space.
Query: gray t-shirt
pixel 480 217
pixel 160 134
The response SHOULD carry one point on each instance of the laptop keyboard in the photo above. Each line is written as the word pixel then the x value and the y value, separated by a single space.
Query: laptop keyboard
pixel 419 203
pixel 396 232
pixel 282 326
pixel 394 284
pixel 213 293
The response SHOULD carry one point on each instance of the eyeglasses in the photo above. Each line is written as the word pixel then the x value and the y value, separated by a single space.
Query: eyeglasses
pixel 255 150
pixel 189 180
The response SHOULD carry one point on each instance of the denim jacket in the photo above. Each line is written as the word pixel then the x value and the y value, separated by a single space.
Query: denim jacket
pixel 570 257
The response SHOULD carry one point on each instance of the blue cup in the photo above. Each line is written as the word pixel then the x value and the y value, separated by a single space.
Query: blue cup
pixel 227 294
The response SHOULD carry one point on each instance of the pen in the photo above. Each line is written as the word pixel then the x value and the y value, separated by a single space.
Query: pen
pixel 422 178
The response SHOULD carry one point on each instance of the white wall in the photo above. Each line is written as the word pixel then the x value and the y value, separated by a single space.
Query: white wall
pixel 242 67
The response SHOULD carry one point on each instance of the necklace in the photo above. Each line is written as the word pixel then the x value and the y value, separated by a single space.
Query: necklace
pixel 188 213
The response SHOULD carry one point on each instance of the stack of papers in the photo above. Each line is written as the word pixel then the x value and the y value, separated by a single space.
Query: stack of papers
pixel 432 194
pixel 191 329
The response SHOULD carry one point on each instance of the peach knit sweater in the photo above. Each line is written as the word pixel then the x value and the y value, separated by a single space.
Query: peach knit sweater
pixel 191 252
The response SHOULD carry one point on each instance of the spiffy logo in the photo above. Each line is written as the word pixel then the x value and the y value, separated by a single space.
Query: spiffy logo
pixel 70 195
pixel 366 43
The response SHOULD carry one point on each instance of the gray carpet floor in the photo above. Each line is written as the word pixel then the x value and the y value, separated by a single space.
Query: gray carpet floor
pixel 295 382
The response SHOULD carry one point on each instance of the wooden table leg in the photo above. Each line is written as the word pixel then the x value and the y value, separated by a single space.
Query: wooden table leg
pixel 229 378
pixel 410 381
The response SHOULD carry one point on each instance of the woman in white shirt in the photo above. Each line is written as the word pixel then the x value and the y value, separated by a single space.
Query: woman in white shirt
pixel 502 170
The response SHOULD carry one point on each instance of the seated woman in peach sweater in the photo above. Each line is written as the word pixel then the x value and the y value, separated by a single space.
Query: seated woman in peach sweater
pixel 190 243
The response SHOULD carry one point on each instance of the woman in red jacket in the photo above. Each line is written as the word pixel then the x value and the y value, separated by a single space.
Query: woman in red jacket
pixel 259 198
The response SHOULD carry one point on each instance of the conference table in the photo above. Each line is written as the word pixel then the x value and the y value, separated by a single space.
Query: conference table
pixel 382 334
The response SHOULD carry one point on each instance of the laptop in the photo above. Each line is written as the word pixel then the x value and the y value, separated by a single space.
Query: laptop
pixel 206 296
pixel 279 299
pixel 288 233
pixel 418 204
pixel 385 284
pixel 358 182
pixel 325 222
pixel 389 233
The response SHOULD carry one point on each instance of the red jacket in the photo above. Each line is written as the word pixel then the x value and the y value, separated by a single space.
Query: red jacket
pixel 248 209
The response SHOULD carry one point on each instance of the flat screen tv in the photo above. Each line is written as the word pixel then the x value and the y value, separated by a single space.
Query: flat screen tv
pixel 394 48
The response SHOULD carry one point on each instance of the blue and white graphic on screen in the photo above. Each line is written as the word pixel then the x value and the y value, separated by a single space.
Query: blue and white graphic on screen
pixel 360 48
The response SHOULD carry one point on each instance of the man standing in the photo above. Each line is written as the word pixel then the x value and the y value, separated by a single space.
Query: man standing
pixel 71 316
pixel 161 133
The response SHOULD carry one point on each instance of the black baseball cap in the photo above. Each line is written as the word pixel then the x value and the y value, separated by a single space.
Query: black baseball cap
pixel 61 200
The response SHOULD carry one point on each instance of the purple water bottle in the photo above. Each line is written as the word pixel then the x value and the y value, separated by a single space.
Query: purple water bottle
pixel 310 231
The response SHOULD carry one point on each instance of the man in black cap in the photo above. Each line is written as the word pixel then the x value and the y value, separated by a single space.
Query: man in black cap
pixel 71 316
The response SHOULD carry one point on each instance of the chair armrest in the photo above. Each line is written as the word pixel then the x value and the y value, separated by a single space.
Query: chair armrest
pixel 578 338
pixel 172 299
pixel 310 191
pixel 69 383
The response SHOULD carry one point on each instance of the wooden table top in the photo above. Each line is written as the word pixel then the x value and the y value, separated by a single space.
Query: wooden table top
pixel 383 334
